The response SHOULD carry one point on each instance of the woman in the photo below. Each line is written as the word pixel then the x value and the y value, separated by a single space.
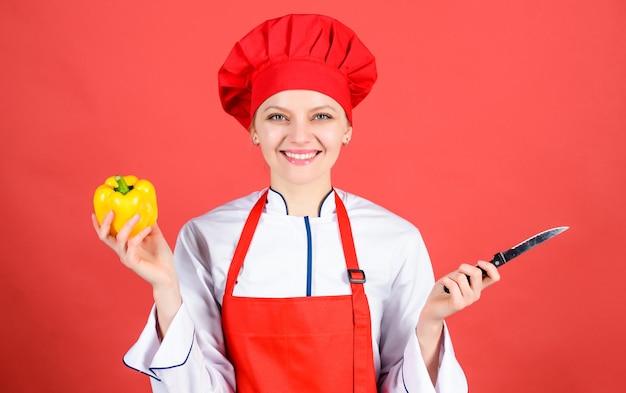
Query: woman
pixel 300 287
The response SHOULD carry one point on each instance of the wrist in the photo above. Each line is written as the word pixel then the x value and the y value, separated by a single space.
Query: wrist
pixel 429 334
pixel 167 297
pixel 168 300
pixel 428 331
pixel 166 292
pixel 165 280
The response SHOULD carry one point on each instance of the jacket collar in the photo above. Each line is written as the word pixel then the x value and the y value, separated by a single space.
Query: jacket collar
pixel 276 204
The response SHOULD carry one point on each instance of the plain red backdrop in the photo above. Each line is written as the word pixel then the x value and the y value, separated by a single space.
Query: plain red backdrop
pixel 491 120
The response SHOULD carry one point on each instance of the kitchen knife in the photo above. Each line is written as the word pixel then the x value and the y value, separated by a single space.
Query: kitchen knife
pixel 503 257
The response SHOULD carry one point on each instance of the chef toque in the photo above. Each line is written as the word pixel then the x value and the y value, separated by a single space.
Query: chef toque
pixel 295 52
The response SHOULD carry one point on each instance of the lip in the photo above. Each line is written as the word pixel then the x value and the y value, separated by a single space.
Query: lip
pixel 300 156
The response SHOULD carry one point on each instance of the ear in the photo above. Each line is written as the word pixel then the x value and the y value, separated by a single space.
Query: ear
pixel 253 136
pixel 348 134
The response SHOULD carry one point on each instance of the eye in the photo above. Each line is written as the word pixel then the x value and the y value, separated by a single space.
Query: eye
pixel 277 117
pixel 322 116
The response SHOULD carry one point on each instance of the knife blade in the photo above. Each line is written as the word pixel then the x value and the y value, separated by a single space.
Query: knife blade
pixel 503 257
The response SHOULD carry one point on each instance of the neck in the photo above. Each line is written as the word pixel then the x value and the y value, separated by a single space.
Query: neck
pixel 303 200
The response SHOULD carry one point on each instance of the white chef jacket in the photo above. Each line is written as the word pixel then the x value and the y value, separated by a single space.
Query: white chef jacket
pixel 293 256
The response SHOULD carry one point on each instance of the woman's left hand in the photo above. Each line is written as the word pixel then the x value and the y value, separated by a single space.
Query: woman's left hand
pixel 464 291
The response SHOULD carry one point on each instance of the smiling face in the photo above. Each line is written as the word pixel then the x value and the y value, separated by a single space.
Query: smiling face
pixel 300 133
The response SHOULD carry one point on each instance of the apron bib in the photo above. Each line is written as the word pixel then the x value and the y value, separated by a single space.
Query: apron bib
pixel 302 344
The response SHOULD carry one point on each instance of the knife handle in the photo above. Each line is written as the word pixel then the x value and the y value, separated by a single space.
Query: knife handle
pixel 498 260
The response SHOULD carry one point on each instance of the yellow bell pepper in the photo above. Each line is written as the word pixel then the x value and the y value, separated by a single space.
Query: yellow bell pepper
pixel 126 196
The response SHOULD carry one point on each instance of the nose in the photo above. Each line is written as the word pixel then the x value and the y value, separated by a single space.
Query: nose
pixel 300 131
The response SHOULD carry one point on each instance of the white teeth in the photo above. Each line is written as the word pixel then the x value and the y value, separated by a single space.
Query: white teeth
pixel 299 156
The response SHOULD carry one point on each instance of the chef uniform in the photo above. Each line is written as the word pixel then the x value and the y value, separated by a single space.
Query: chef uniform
pixel 280 303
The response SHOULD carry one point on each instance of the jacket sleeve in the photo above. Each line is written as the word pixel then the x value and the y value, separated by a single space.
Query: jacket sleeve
pixel 402 366
pixel 191 358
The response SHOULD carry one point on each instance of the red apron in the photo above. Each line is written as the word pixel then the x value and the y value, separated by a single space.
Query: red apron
pixel 302 344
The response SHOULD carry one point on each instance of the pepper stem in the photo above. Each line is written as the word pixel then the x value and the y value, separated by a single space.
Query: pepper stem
pixel 122 187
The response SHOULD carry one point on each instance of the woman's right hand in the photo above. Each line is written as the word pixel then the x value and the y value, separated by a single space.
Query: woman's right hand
pixel 147 254
pixel 150 257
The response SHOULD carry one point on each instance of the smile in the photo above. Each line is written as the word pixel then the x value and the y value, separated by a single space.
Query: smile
pixel 300 157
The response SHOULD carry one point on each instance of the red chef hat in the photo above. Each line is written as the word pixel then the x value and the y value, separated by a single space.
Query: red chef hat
pixel 304 52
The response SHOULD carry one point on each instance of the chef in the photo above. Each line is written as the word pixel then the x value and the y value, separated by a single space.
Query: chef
pixel 299 287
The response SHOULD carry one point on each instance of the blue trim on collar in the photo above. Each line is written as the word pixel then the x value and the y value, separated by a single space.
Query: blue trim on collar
pixel 283 198
pixel 319 212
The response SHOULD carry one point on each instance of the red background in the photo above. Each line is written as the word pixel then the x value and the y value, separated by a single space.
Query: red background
pixel 491 120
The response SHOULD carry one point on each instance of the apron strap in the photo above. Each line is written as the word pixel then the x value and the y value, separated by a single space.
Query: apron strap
pixel 244 243
pixel 364 373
